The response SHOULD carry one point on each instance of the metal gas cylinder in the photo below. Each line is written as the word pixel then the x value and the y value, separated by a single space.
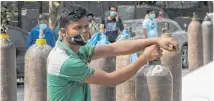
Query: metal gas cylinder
pixel 195 44
pixel 207 32
pixel 172 61
pixel 35 70
pixel 126 90
pixel 154 82
pixel 108 64
pixel 8 85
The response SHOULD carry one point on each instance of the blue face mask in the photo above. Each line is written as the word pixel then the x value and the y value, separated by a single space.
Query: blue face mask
pixel 152 16
pixel 43 26
pixel 112 13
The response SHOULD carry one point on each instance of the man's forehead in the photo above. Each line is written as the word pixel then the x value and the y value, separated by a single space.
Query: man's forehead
pixel 82 22
pixel 113 8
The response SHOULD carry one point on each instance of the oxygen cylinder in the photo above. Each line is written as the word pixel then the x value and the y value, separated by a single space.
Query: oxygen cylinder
pixel 108 64
pixel 172 60
pixel 207 32
pixel 126 90
pixel 154 82
pixel 36 71
pixel 8 84
pixel 195 44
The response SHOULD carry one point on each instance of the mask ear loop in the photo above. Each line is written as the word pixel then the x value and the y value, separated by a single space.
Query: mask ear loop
pixel 84 38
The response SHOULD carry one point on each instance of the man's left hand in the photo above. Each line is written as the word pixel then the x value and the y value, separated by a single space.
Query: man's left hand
pixel 169 44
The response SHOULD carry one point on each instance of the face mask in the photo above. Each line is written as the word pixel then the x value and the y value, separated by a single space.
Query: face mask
pixel 152 16
pixel 43 26
pixel 112 13
pixel 80 39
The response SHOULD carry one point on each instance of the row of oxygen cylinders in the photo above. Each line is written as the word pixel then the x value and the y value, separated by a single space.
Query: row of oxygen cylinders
pixel 156 82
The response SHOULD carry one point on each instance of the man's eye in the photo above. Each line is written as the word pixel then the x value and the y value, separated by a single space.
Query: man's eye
pixel 86 26
pixel 77 27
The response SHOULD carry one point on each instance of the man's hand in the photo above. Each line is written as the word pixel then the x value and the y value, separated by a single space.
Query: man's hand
pixel 169 44
pixel 152 52
pixel 117 17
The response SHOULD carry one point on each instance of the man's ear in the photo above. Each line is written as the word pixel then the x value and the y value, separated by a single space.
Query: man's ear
pixel 62 32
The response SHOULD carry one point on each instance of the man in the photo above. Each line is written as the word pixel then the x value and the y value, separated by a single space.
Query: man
pixel 41 27
pixel 68 73
pixel 112 24
pixel 150 26
pixel 93 25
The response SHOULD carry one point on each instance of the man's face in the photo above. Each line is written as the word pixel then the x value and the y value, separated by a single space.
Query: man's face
pixel 76 28
pixel 113 9
pixel 43 22
pixel 152 12
pixel 113 12
pixel 90 17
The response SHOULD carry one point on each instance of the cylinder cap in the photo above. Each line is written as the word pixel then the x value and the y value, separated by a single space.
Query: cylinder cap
pixel 4 36
pixel 40 41
pixel 207 18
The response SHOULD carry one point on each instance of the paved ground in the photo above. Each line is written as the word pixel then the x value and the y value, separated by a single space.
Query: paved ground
pixel 20 89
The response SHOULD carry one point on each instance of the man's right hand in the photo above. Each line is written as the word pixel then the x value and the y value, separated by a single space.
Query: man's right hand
pixel 152 52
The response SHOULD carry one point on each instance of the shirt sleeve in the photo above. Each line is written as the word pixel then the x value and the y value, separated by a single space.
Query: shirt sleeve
pixel 145 24
pixel 87 51
pixel 29 39
pixel 76 70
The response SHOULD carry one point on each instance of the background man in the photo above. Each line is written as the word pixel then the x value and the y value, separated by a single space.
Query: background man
pixel 112 24
pixel 42 26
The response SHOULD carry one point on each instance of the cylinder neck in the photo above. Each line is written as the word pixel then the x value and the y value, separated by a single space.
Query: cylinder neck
pixel 102 29
pixel 155 62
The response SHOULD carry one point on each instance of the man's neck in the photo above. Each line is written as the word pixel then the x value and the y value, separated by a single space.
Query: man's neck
pixel 75 48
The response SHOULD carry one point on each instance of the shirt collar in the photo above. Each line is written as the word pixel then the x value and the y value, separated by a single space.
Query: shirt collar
pixel 66 48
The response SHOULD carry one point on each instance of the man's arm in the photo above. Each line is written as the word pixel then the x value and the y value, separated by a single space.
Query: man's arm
pixel 29 39
pixel 122 47
pixel 101 77
pixel 121 75
pixel 120 24
pixel 53 39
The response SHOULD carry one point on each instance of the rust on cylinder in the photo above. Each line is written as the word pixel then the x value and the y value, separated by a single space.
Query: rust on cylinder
pixel 195 45
pixel 207 32
pixel 100 92
pixel 126 90
pixel 154 83
pixel 8 85
pixel 172 60
pixel 36 73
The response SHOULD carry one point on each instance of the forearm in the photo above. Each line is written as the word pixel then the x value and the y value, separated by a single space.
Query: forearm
pixel 121 75
pixel 131 46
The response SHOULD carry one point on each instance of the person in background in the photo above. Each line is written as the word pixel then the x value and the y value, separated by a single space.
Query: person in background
pixel 112 24
pixel 150 25
pixel 93 25
pixel 161 15
pixel 42 26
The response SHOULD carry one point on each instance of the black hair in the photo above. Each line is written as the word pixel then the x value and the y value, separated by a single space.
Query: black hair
pixel 112 7
pixel 42 18
pixel 70 14
pixel 90 14
pixel 149 11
